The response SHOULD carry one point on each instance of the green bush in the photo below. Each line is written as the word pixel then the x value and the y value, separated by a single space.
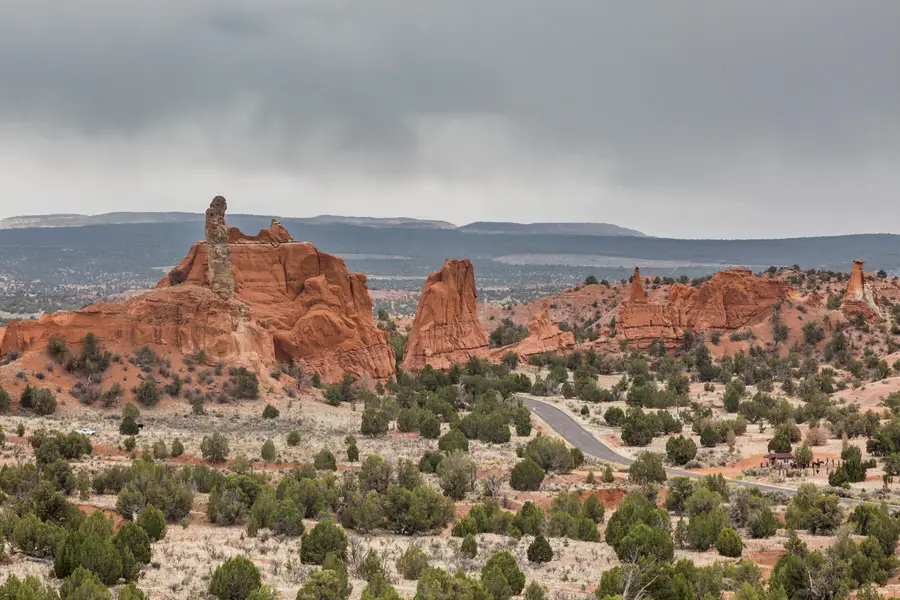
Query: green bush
pixel 153 521
pixel 540 551
pixel 293 438
pixel 506 564
pixel 412 562
pixel 457 475
pixel 324 460
pixel 177 448
pixel 323 539
pixel 729 543
pixel 235 579
pixel 681 450
pixel 215 448
pixel 647 468
pixel 453 440
pixel 270 412
pixel 469 546
pixel 527 475
pixel 148 392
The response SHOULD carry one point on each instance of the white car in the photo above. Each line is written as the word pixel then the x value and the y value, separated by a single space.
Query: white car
pixel 86 431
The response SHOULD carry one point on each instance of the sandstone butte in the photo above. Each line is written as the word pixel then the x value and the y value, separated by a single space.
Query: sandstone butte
pixel 859 300
pixel 255 300
pixel 543 336
pixel 731 300
pixel 446 328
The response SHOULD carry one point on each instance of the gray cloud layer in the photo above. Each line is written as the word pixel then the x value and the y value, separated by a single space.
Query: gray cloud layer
pixel 712 119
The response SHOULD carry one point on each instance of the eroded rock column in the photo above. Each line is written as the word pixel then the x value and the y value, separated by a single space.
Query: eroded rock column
pixel 221 280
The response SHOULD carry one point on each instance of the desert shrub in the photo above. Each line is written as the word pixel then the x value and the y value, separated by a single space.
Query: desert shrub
pixel 152 520
pixel 469 547
pixel 550 454
pixel 148 392
pixel 293 438
pixel 647 468
pixel 324 460
pixel 680 450
pixel 527 475
pixel 177 448
pixel 374 474
pixel 412 562
pixel 129 426
pixel 215 448
pixel 457 475
pixel 539 551
pixel 268 451
pixel 430 461
pixel 505 563
pixel 235 579
pixel 323 539
pixel 270 412
pixel 729 543
pixel 374 422
pixel 245 383
pixel 430 427
pixel 762 524
pixel 453 440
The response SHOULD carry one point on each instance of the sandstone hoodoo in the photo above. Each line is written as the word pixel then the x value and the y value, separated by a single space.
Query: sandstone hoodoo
pixel 244 299
pixel 636 292
pixel 543 336
pixel 731 300
pixel 859 300
pixel 446 328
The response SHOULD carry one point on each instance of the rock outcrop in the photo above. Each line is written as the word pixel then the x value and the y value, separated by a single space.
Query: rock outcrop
pixel 731 300
pixel 446 328
pixel 221 280
pixel 636 292
pixel 261 300
pixel 543 336
pixel 859 300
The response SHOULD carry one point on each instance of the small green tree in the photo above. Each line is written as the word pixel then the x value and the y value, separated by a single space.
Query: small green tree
pixel 647 468
pixel 412 562
pixel 268 452
pixel 235 579
pixel 293 438
pixel 469 546
pixel 540 551
pixel 323 539
pixel 729 543
pixel 457 475
pixel 270 412
pixel 527 475
pixel 215 448
pixel 177 448
pixel 153 521
pixel 324 460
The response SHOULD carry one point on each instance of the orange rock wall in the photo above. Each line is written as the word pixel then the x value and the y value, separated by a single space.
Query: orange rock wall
pixel 446 328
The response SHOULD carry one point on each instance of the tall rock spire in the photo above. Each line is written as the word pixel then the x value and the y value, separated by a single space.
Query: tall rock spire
pixel 637 287
pixel 221 279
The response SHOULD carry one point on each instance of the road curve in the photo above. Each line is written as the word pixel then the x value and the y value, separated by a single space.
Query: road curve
pixel 572 431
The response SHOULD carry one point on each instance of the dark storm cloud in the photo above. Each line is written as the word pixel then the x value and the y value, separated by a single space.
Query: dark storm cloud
pixel 741 103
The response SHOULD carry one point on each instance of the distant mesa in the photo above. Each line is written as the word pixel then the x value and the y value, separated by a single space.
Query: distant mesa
pixel 731 300
pixel 859 299
pixel 550 228
pixel 256 300
pixel 446 328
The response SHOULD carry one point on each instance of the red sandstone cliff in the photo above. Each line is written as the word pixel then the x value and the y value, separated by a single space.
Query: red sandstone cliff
pixel 731 300
pixel 446 328
pixel 275 301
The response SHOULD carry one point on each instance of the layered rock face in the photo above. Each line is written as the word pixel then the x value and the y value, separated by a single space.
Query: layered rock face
pixel 859 300
pixel 263 298
pixel 446 328
pixel 543 336
pixel 731 300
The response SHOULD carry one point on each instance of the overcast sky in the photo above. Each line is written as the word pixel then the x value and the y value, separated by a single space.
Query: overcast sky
pixel 758 118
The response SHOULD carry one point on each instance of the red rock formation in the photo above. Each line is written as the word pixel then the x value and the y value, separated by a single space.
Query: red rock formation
pixel 731 300
pixel 543 336
pixel 289 303
pixel 636 293
pixel 446 328
pixel 859 300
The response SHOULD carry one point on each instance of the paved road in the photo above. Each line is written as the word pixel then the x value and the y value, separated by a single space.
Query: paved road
pixel 578 436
